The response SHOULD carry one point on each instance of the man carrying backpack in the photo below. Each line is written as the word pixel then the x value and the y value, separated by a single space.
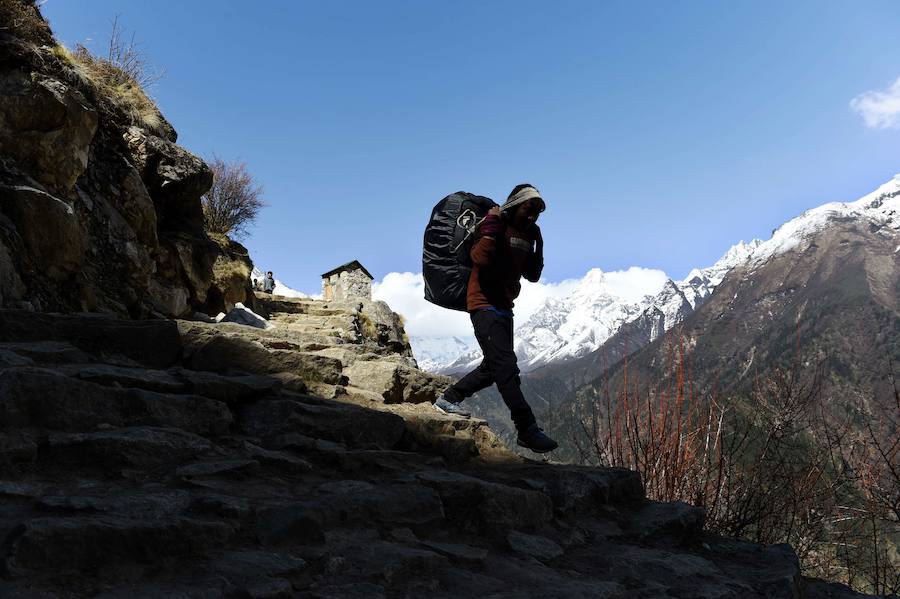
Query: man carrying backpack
pixel 508 245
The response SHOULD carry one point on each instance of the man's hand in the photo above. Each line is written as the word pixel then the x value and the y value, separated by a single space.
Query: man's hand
pixel 491 225
pixel 538 238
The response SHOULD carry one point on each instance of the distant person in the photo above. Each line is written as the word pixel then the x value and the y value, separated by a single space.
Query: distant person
pixel 508 245
pixel 269 283
pixel 256 286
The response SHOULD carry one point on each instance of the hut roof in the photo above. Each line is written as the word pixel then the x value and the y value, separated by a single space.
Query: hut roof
pixel 352 265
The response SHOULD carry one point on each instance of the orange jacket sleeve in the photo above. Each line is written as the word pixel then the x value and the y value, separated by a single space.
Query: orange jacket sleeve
pixel 483 251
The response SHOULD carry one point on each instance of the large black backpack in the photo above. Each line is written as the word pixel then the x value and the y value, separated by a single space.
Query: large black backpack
pixel 448 238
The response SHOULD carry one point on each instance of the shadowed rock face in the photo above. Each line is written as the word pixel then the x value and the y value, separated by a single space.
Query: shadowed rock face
pixel 97 214
pixel 129 472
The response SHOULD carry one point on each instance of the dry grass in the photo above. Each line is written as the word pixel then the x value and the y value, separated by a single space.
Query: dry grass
pixel 367 327
pixel 22 19
pixel 121 77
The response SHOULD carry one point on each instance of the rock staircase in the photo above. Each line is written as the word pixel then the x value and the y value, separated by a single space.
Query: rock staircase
pixel 183 459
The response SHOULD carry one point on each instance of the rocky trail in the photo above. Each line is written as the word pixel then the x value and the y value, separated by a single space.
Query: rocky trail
pixel 165 458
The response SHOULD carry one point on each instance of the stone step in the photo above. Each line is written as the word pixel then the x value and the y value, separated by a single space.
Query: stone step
pixel 322 419
pixel 373 461
pixel 231 389
pixel 87 544
pixel 335 319
pixel 154 343
pixel 39 398
pixel 42 352
pixel 454 438
pixel 129 448
pixel 350 503
pixel 226 353
pixel 473 504
pixel 675 520
pixel 573 489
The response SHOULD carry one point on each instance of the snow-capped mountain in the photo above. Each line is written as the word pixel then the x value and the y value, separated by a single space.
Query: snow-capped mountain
pixel 433 353
pixel 571 327
pixel 881 208
pixel 280 288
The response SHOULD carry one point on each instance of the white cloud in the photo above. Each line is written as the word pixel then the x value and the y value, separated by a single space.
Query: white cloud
pixel 879 109
pixel 404 292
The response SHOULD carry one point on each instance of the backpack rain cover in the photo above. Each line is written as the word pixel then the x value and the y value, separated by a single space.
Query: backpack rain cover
pixel 449 236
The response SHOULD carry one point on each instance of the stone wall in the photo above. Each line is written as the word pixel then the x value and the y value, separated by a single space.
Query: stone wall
pixel 345 285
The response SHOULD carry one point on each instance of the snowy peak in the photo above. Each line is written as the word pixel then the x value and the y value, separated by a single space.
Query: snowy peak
pixel 881 207
pixel 700 283
pixel 433 353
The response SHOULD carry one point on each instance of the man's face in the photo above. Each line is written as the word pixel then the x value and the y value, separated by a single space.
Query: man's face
pixel 526 214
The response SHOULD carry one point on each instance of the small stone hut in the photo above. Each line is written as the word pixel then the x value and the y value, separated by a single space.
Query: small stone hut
pixel 350 280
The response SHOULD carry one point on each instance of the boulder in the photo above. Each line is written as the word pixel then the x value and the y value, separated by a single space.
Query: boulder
pixel 394 381
pixel 47 126
pixel 174 177
pixel 231 279
pixel 191 257
pixel 245 316
pixel 170 300
pixel 136 206
pixel 124 376
pixel 49 228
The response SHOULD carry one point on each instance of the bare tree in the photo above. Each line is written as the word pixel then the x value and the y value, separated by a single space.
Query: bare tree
pixel 779 465
pixel 234 200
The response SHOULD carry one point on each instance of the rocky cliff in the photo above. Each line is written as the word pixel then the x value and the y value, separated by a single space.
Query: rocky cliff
pixel 99 207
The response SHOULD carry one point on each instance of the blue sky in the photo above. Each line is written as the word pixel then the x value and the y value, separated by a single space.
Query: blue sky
pixel 660 133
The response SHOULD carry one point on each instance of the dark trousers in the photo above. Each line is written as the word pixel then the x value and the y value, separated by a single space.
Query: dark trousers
pixel 494 333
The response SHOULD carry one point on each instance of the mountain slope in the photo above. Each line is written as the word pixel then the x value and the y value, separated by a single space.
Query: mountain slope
pixel 828 280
